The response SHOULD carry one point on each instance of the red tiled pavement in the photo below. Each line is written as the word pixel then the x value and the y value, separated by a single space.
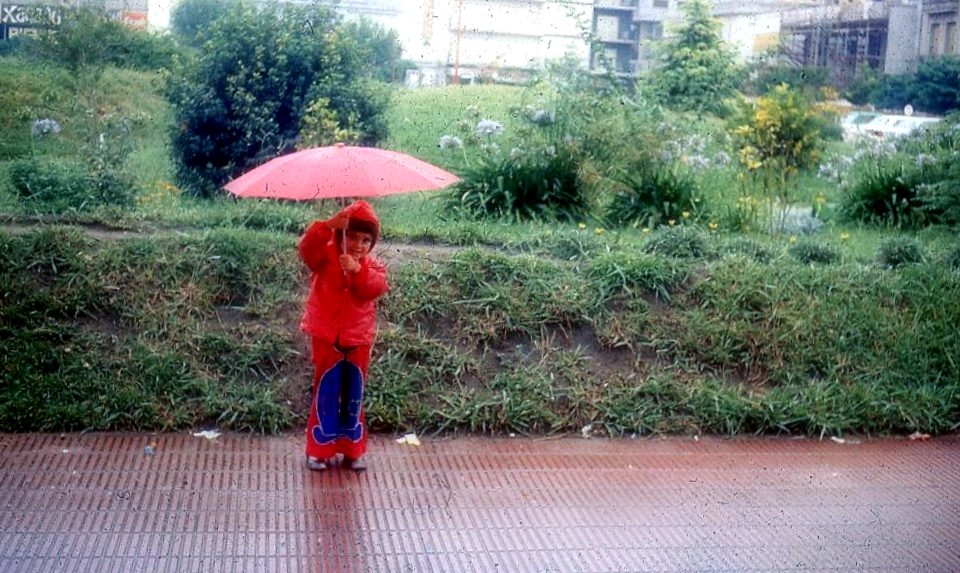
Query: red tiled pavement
pixel 241 503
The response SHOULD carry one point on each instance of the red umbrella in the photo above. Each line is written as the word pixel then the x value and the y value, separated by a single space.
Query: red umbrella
pixel 339 171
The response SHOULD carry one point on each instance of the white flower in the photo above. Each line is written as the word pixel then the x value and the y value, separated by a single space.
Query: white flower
pixel 488 127
pixel 42 127
pixel 450 142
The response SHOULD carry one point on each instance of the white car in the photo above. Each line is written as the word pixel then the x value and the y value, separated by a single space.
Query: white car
pixel 884 127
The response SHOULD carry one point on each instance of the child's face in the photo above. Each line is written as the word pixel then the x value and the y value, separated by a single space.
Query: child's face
pixel 359 244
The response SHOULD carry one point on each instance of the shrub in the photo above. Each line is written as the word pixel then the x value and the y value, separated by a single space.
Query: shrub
pixel 681 242
pixel 776 137
pixel 57 184
pixel 533 185
pixel 952 260
pixel 900 251
pixel 243 100
pixel 811 252
pixel 883 194
pixel 755 250
pixel 652 196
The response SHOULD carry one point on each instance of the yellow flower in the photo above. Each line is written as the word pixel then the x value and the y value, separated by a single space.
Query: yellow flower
pixel 671 222
pixel 685 214
pixel 582 226
pixel 793 238
pixel 646 229
pixel 713 225
pixel 844 236
pixel 598 230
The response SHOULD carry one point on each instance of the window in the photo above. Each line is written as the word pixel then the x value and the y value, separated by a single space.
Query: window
pixel 936 39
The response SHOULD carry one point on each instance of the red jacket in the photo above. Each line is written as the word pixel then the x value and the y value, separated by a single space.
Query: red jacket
pixel 341 307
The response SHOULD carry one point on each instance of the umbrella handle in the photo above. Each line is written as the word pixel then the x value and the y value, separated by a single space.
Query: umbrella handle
pixel 343 246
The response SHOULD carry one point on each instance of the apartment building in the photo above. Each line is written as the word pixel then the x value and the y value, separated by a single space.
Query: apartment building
pixel 889 36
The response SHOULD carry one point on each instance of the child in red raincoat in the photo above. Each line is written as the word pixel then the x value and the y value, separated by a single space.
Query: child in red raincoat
pixel 341 318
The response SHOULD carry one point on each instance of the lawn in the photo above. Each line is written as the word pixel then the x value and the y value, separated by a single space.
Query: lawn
pixel 178 312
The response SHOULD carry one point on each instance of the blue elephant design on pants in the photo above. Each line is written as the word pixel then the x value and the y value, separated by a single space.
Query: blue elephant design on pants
pixel 338 404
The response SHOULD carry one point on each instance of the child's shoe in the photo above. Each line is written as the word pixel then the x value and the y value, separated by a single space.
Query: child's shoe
pixel 316 465
pixel 357 465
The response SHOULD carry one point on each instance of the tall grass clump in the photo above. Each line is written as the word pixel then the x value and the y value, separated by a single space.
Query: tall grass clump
pixel 812 251
pixel 911 182
pixel 652 196
pixel 794 323
pixel 159 333
pixel 485 298
pixel 899 251
pixel 679 242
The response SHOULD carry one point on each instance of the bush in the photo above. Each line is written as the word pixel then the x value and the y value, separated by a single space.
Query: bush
pixel 56 185
pixel 653 196
pixel 243 100
pixel 952 260
pixel 678 242
pixel 900 251
pixel 811 252
pixel 541 184
pixel 883 194
pixel 747 247
pixel 806 79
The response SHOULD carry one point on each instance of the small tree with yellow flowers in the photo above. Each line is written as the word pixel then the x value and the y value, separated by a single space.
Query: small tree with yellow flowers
pixel 776 136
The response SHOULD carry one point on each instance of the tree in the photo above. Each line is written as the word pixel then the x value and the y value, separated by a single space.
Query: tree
pixel 380 49
pixel 695 70
pixel 938 84
pixel 190 19
pixel 245 96
pixel 777 137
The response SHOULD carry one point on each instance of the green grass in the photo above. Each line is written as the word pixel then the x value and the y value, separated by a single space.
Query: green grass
pixel 190 316
pixel 421 116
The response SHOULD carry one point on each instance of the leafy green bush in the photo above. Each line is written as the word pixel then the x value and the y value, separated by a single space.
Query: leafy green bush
pixel 810 79
pixel 243 99
pixel 634 274
pixel 696 70
pixel 810 251
pixel 884 193
pixel 652 196
pixel 899 251
pixel 933 88
pixel 541 184
pixel 952 259
pixel 748 247
pixel 56 185
pixel 52 184
pixel 681 242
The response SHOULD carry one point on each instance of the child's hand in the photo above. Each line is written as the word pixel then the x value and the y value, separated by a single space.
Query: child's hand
pixel 349 264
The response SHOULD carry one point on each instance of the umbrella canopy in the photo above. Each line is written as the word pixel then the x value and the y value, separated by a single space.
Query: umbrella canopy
pixel 339 171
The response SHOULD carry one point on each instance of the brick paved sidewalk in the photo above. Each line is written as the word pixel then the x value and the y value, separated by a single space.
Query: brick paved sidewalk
pixel 239 503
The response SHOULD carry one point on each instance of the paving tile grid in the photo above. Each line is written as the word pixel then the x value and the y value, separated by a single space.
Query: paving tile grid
pixel 237 503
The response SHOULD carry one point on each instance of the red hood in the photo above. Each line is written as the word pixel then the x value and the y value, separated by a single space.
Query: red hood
pixel 360 210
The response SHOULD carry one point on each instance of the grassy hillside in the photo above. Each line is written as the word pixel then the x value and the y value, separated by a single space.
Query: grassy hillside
pixel 183 313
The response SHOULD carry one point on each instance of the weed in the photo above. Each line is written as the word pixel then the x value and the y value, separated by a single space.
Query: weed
pixel 898 251
pixel 681 242
pixel 811 252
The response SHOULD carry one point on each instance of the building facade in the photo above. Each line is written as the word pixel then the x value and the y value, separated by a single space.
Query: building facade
pixel 506 40
pixel 19 17
pixel 890 36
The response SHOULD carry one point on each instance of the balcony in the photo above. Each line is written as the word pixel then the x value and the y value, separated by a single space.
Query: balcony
pixel 615 6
